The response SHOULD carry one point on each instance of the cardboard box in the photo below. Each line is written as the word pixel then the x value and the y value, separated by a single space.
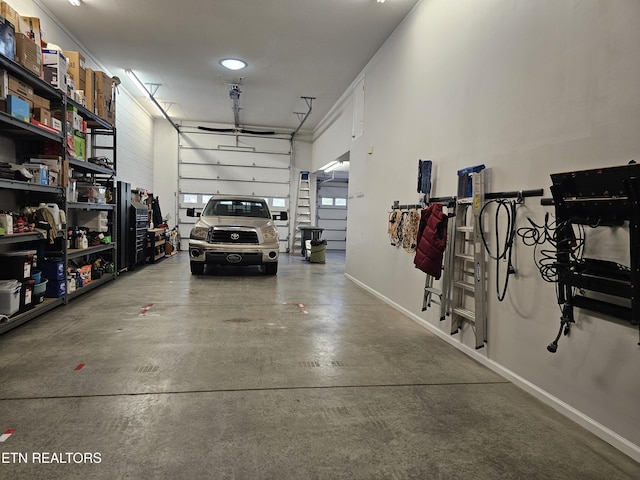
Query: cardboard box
pixel 9 13
pixel 80 147
pixel 74 120
pixel 106 108
pixel 43 116
pixel 40 173
pixel 20 89
pixel 40 102
pixel 57 124
pixel 64 173
pixel 30 26
pixel 4 84
pixel 55 68
pixel 28 54
pixel 18 108
pixel 7 38
pixel 89 90
pixel 76 68
pixel 57 165
pixel 103 83
pixel 54 162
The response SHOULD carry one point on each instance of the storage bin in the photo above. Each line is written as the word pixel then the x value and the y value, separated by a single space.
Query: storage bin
pixel 10 296
pixel 56 288
pixel 40 288
pixel 53 269
pixel 32 254
pixel 39 291
pixel 38 298
pixel 36 275
pixel 15 265
pixel 26 295
pixel 93 221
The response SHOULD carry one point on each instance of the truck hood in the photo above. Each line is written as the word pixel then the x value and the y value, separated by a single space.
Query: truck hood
pixel 234 222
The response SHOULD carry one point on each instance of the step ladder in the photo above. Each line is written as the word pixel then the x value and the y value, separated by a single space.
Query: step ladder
pixel 303 211
pixel 440 296
pixel 467 280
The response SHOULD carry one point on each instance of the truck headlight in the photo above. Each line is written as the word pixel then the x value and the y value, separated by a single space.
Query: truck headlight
pixel 270 233
pixel 198 233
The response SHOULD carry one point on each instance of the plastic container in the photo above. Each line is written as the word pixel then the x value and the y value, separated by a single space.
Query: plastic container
pixel 53 269
pixel 93 221
pixel 10 296
pixel 40 288
pixel 38 298
pixel 15 265
pixel 36 275
pixel 56 288
pixel 32 254
pixel 26 295
pixel 71 283
pixel 55 213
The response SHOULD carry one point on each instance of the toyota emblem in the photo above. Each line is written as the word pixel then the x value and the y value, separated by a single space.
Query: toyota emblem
pixel 235 236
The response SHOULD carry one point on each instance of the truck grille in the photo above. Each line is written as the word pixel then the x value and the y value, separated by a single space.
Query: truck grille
pixel 228 236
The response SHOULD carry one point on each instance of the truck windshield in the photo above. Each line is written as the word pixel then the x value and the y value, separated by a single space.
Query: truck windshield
pixel 236 208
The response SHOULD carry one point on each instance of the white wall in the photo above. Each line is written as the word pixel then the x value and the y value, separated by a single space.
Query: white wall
pixel 165 180
pixel 528 88
pixel 133 124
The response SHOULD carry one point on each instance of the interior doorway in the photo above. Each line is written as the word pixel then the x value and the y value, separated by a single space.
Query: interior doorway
pixel 332 204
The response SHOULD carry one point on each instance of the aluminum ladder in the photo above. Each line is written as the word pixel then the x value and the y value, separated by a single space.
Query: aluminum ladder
pixel 303 211
pixel 437 295
pixel 468 277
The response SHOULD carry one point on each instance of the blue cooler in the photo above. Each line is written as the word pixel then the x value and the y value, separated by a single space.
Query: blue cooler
pixel 53 269
pixel 56 288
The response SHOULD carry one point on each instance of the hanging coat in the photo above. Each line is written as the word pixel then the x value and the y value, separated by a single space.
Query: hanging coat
pixel 432 240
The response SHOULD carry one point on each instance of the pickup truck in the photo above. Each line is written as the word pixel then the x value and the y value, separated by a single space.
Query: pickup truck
pixel 235 230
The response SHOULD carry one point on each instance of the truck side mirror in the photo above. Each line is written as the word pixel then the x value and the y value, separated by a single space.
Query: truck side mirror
pixel 191 212
pixel 280 216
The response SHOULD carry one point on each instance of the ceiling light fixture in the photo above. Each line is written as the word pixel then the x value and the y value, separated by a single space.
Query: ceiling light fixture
pixel 75 3
pixel 333 167
pixel 150 96
pixel 329 165
pixel 380 1
pixel 233 63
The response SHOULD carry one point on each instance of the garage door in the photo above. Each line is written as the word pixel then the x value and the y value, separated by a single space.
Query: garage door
pixel 217 163
pixel 331 211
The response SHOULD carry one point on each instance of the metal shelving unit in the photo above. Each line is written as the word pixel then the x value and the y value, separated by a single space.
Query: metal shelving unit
pixel 27 136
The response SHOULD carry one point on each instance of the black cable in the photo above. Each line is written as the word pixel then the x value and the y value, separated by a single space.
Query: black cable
pixel 549 265
pixel 504 249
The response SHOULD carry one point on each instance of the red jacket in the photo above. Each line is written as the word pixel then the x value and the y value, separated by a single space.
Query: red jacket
pixel 432 240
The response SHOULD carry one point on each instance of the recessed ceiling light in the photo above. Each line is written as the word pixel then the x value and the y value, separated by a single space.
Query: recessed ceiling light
pixel 233 64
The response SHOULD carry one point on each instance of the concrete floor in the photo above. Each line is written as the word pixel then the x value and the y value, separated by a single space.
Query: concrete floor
pixel 224 376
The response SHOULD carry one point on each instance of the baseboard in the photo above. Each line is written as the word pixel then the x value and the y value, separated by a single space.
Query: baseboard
pixel 606 434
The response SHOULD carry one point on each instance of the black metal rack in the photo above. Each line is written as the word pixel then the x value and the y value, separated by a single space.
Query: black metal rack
pixel 603 197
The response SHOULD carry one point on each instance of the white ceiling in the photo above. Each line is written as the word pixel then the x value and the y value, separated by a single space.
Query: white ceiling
pixel 294 48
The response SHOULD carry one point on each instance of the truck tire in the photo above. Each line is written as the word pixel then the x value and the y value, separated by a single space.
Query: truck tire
pixel 271 268
pixel 197 268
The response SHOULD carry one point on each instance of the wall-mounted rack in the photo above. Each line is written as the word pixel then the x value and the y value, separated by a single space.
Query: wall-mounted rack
pixel 603 197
